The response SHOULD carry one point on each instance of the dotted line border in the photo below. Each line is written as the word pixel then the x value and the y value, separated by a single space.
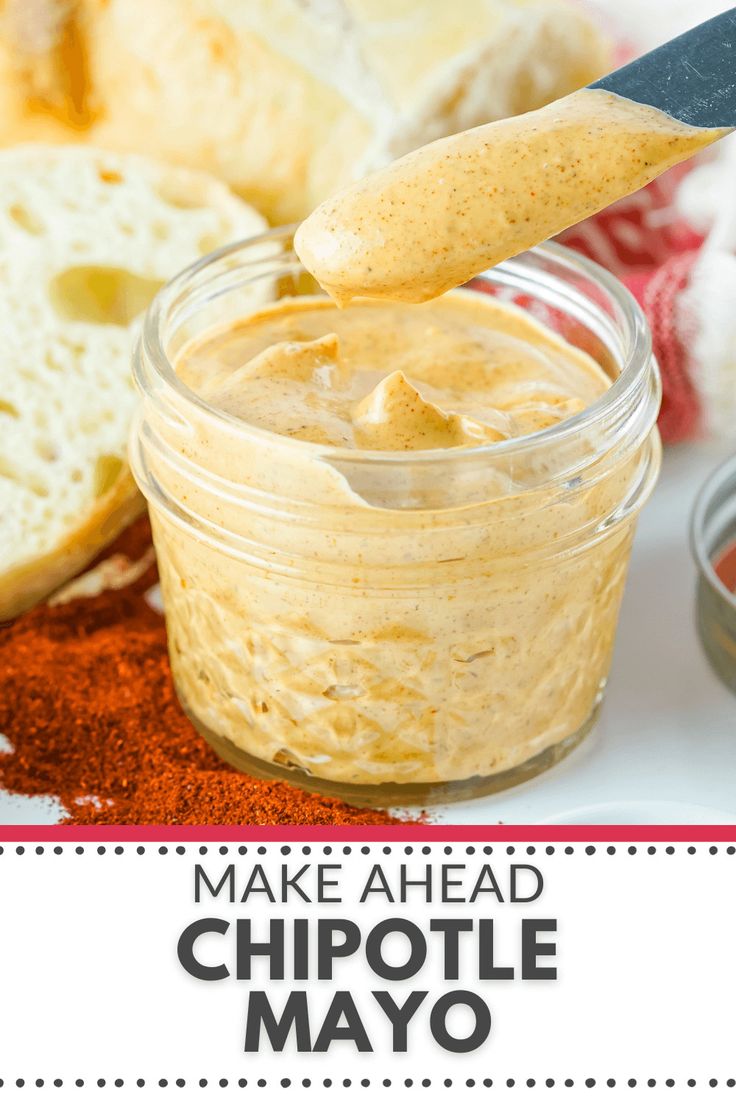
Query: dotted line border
pixel 386 849
pixel 347 849
pixel 387 1083
pixel 366 1082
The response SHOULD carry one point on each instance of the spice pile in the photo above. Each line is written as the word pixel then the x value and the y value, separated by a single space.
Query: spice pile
pixel 88 705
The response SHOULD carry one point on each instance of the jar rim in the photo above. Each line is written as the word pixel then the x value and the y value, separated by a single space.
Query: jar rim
pixel 635 362
pixel 706 496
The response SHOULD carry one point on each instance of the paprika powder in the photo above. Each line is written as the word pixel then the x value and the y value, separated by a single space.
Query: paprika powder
pixel 88 706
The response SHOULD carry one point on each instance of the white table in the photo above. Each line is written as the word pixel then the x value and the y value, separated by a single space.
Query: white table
pixel 665 747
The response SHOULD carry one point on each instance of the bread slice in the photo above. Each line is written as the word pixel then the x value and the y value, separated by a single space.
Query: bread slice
pixel 86 239
pixel 285 100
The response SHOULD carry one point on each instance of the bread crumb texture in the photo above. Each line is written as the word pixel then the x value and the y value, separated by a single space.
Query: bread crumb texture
pixel 86 240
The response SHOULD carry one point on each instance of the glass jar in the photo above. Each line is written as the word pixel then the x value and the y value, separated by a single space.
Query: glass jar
pixel 713 538
pixel 394 628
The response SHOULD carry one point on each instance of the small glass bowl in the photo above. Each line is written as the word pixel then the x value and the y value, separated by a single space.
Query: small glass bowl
pixel 713 536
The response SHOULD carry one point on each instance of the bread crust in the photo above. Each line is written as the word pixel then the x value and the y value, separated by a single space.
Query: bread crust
pixel 28 583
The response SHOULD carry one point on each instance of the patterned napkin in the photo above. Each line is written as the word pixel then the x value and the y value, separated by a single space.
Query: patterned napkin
pixel 674 245
pixel 667 245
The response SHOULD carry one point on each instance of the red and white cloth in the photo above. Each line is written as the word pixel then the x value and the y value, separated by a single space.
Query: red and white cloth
pixel 645 242
pixel 674 246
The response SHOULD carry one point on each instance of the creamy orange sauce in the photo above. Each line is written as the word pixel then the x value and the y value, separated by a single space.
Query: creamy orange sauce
pixel 457 372
pixel 442 214
pixel 417 619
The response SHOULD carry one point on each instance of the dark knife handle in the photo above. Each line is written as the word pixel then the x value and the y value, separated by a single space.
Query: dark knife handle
pixel 692 77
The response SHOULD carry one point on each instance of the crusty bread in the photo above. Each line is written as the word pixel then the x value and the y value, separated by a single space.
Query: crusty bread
pixel 284 99
pixel 86 238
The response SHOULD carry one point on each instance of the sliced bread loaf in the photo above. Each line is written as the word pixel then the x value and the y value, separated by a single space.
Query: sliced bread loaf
pixel 86 239
pixel 286 100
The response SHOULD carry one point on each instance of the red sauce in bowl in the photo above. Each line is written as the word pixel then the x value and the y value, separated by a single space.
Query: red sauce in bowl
pixel 725 567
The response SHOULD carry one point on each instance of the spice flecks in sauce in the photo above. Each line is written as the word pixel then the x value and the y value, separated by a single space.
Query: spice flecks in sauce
pixel 397 620
pixel 461 371
pixel 442 214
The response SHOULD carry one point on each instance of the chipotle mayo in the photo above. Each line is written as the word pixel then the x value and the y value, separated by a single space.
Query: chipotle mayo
pixel 433 219
pixel 382 645
pixel 379 587
pixel 458 372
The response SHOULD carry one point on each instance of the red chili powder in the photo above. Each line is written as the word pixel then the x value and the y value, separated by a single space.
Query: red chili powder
pixel 88 705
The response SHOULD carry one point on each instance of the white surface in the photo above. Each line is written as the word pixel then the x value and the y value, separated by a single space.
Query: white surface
pixel 664 750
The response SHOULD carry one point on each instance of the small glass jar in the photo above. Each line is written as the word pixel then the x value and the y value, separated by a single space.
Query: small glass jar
pixel 394 628
pixel 713 538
